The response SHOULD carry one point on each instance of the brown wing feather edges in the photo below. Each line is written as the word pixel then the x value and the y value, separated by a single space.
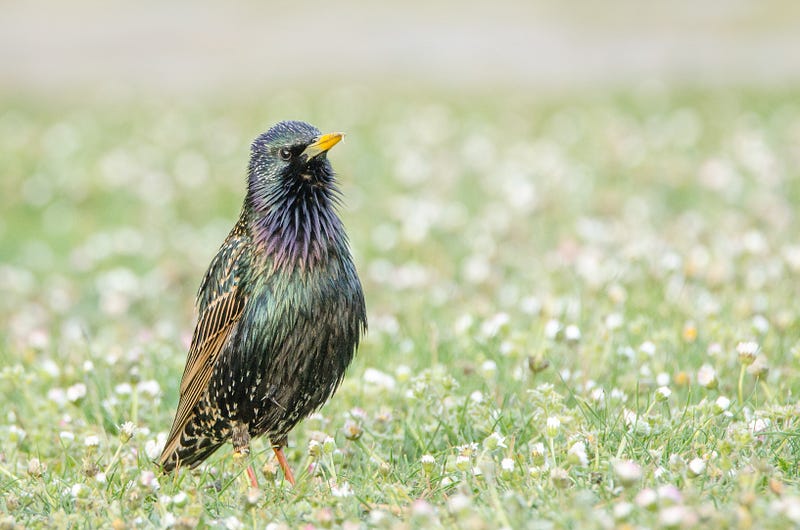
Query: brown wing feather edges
pixel 214 326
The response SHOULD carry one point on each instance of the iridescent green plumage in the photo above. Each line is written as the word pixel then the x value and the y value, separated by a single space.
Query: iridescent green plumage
pixel 281 310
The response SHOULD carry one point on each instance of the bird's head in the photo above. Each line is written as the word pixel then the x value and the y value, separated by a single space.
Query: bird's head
pixel 289 158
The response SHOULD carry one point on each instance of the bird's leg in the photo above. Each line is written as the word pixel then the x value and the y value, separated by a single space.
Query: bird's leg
pixel 241 446
pixel 277 446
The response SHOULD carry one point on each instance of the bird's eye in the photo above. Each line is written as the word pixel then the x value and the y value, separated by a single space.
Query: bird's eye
pixel 285 153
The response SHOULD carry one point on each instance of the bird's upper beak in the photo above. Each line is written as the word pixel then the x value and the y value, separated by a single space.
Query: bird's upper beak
pixel 322 143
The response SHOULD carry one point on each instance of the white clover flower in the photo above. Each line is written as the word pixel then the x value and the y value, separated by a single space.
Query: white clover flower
pixel 677 516
pixel 572 333
pixel 626 352
pixel 696 467
pixel 57 396
pixel 635 423
pixel 759 424
pixel 663 393
pixel 662 379
pixel 66 436
pixel 153 448
pixel 488 369
pixel 627 472
pixel 707 376
pixel 577 454
pixel 760 324
pixel 36 467
pixel 16 434
pixel 458 503
pixel 314 448
pixel 252 497
pixel 352 430
pixel 358 413
pixel 476 396
pixel 551 328
pixel 721 404
pixel 232 523
pixel 380 379
pixel 403 373
pixel 463 463
pixel 530 305
pixel 91 441
pixel 535 472
pixel 342 490
pixel 646 498
pixel 508 347
pixel 422 509
pixel 747 352
pixel 492 326
pixel 468 449
pixel 180 499
pixel 79 491
pixel 127 431
pixel 648 348
pixel 759 367
pixel 463 324
pixel 149 480
pixel 76 392
pixel 669 494
pixel 428 463
pixel 50 367
pixel 598 395
pixel 614 321
pixel 507 465
pixel 123 389
pixel 552 427
pixel 149 387
pixel 101 478
pixel 538 453
pixel 494 440
pixel 622 510
pixel 559 477
pixel 88 366
pixel 619 395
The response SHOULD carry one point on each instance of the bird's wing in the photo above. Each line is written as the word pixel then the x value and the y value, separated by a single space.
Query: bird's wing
pixel 220 301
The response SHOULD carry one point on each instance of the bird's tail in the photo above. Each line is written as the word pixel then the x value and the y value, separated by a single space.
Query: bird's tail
pixel 190 452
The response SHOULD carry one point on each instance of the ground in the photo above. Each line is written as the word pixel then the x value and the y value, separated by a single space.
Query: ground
pixel 583 310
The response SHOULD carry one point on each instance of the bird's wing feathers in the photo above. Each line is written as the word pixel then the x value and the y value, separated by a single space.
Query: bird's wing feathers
pixel 221 302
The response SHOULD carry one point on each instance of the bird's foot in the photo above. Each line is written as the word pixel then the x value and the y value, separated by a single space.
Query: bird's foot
pixel 240 436
pixel 241 448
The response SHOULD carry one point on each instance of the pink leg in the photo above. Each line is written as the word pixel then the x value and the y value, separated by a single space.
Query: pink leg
pixel 252 475
pixel 287 471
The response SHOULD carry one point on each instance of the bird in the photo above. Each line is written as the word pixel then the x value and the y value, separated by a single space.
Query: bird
pixel 280 310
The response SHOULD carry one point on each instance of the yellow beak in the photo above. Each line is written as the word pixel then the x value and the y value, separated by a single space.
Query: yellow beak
pixel 322 143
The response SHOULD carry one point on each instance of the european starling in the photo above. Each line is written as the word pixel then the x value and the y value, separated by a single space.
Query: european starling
pixel 281 309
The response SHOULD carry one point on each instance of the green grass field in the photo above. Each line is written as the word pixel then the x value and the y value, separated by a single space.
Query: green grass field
pixel 584 311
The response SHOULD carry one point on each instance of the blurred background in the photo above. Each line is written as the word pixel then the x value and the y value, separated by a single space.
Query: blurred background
pixel 90 47
pixel 482 140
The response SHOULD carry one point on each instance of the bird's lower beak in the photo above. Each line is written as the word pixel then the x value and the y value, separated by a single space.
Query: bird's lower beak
pixel 322 143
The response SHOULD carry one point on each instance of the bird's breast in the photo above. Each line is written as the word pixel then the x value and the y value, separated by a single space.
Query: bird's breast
pixel 297 335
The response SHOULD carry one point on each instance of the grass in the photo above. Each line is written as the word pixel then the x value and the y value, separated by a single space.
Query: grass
pixel 583 311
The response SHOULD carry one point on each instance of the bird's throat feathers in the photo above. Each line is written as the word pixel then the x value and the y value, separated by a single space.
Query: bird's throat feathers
pixel 296 226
